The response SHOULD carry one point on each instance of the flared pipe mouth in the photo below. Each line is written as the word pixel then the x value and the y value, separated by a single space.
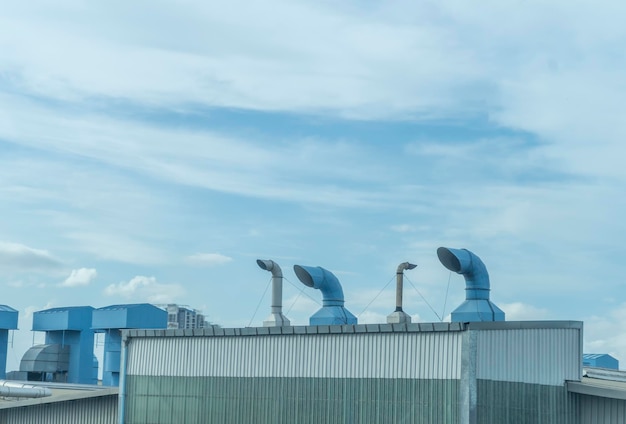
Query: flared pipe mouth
pixel 270 265
pixel 448 259
pixel 262 264
pixel 304 275
pixel 405 265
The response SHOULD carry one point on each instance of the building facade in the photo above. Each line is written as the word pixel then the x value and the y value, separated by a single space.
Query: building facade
pixel 491 372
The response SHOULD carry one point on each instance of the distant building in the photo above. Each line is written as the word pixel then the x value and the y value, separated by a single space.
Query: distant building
pixel 600 360
pixel 183 317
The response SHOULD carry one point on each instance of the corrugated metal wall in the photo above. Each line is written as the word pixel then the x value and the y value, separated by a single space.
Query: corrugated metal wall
pixel 95 410
pixel 427 355
pixel 539 356
pixel 601 410
pixel 501 402
pixel 494 372
pixel 227 400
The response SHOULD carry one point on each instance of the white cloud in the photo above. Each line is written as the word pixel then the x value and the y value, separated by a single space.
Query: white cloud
pixel 518 311
pixel 80 277
pixel 14 255
pixel 209 259
pixel 143 288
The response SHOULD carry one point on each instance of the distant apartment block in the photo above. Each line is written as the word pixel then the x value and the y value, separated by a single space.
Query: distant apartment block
pixel 184 317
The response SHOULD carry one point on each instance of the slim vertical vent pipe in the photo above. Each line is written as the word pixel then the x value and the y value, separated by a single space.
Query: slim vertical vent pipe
pixel 399 316
pixel 276 318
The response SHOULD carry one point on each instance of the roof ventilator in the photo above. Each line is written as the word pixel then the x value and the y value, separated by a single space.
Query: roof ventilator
pixel 399 316
pixel 276 318
pixel 332 311
pixel 477 306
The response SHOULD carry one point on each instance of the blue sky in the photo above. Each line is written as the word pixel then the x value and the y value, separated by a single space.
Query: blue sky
pixel 151 152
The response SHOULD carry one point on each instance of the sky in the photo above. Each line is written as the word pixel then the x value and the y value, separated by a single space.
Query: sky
pixel 151 151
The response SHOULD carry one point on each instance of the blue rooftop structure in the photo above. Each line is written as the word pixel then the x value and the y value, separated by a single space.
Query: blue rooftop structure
pixel 8 321
pixel 477 306
pixel 332 312
pixel 600 360
pixel 111 319
pixel 70 326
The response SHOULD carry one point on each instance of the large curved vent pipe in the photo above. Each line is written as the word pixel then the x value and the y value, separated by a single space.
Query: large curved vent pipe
pixel 276 318
pixel 399 316
pixel 477 306
pixel 332 311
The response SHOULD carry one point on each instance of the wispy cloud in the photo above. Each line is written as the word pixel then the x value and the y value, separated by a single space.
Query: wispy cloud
pixel 145 289
pixel 19 256
pixel 208 259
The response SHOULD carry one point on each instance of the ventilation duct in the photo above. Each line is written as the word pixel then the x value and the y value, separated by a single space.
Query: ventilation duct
pixel 276 318
pixel 477 306
pixel 12 389
pixel 48 362
pixel 399 316
pixel 332 311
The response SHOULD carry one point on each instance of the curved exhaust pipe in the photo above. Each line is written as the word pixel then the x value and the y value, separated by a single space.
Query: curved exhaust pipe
pixel 276 318
pixel 464 262
pixel 399 316
pixel 332 311
pixel 477 306
pixel 323 280
pixel 399 282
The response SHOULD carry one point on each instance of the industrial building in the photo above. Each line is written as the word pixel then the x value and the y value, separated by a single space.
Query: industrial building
pixel 477 369
pixel 600 360
pixel 492 372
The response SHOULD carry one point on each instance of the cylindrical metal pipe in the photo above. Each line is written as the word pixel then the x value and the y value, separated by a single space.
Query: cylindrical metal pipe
pixel 399 283
pixel 14 389
pixel 276 318
pixel 277 283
